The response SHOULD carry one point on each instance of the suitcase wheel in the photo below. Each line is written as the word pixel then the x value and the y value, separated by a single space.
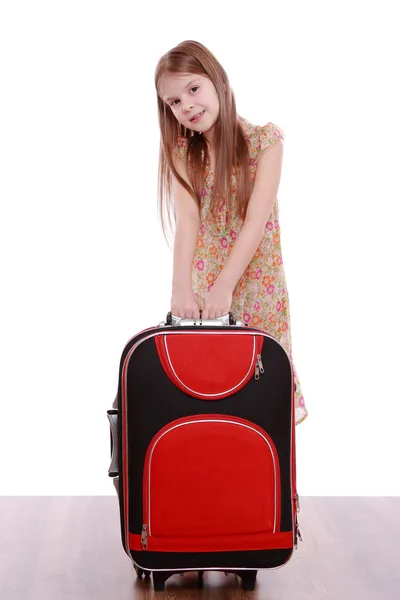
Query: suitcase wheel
pixel 249 580
pixel 140 572
pixel 159 579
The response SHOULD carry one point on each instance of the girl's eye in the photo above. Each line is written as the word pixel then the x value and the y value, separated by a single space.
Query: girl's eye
pixel 195 87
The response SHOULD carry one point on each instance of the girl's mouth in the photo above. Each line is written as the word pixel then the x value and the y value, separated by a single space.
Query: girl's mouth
pixel 196 119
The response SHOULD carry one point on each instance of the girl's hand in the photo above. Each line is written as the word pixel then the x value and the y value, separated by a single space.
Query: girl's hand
pixel 184 304
pixel 218 302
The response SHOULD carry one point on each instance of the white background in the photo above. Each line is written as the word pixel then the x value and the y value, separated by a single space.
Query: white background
pixel 84 263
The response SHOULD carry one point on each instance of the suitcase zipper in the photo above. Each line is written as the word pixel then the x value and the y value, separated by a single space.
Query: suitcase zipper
pixel 259 367
pixel 297 534
pixel 167 356
pixel 143 539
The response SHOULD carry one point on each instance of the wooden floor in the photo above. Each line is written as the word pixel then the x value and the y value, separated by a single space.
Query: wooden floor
pixel 54 548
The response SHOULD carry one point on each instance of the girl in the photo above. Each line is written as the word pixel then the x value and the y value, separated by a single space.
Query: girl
pixel 223 174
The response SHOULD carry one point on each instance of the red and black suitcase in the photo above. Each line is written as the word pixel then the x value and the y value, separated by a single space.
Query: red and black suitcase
pixel 203 444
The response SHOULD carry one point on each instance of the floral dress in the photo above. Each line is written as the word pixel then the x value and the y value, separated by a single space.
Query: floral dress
pixel 260 297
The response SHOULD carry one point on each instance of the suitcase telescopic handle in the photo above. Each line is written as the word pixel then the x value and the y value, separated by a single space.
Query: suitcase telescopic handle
pixel 225 321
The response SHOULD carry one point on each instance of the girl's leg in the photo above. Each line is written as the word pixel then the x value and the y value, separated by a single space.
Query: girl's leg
pixel 116 484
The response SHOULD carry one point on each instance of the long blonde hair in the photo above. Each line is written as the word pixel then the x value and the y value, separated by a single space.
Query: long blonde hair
pixel 230 144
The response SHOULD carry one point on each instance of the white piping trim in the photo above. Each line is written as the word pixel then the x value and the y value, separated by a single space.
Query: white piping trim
pixel 222 569
pixel 219 393
pixel 227 421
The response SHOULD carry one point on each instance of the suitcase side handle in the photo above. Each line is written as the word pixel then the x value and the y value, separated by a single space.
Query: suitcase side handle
pixel 225 321
pixel 112 415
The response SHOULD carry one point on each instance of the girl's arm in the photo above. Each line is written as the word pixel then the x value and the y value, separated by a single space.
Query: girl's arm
pixel 185 240
pixel 265 189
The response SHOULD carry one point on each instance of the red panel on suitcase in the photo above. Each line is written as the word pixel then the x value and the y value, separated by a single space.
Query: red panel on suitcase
pixel 209 371
pixel 211 481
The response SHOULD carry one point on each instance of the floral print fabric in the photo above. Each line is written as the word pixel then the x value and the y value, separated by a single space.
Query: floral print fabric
pixel 261 297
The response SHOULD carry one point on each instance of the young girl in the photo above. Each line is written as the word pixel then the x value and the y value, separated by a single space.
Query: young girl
pixel 223 175
pixel 219 177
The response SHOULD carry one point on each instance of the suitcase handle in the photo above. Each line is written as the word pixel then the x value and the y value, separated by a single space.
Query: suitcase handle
pixel 112 415
pixel 224 321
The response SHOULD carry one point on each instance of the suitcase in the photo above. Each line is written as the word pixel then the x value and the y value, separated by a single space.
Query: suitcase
pixel 203 450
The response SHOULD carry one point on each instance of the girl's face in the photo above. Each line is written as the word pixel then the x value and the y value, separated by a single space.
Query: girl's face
pixel 188 95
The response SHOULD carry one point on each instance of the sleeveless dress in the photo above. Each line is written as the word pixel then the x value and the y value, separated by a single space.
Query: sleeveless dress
pixel 260 297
